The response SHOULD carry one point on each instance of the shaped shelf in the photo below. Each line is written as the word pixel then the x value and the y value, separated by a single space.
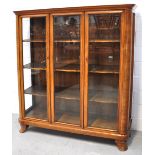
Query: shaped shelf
pixel 69 118
pixel 36 90
pixel 67 41
pixel 35 66
pixel 106 95
pixel 104 123
pixel 104 41
pixel 34 40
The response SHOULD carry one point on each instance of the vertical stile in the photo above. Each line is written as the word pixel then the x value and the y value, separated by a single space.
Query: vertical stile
pixel 52 67
pixel 21 67
pixel 125 77
pixel 131 89
pixel 121 69
pixel 18 67
pixel 48 68
pixel 86 73
pixel 82 69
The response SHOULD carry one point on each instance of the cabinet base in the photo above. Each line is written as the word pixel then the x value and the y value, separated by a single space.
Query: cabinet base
pixel 120 140
pixel 121 144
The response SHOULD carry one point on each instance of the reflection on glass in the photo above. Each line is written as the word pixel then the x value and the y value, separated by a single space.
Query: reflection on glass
pixel 104 26
pixel 34 29
pixel 34 65
pixel 66 27
pixel 103 79
pixel 67 69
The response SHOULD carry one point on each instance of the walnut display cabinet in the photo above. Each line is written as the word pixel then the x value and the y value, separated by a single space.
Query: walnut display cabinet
pixel 75 70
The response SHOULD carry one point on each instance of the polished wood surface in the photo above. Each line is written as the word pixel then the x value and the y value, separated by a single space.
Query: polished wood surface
pixel 108 8
pixel 20 65
pixel 121 144
pixel 125 65
pixel 67 70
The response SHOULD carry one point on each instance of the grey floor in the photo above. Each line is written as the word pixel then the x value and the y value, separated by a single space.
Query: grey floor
pixel 36 141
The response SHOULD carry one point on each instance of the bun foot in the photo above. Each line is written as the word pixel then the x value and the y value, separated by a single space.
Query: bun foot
pixel 121 144
pixel 23 128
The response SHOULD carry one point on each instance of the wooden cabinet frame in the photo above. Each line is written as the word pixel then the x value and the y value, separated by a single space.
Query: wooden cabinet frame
pixel 125 79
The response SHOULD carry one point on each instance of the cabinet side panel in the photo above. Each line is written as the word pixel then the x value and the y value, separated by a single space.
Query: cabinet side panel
pixel 125 71
pixel 18 66
pixel 132 64
pixel 20 63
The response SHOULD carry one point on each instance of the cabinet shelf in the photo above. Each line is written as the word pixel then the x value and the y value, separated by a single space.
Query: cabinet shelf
pixel 76 68
pixel 36 90
pixel 104 123
pixel 104 41
pixel 103 28
pixel 63 63
pixel 69 68
pixel 95 96
pixel 35 66
pixel 103 96
pixel 104 71
pixel 38 111
pixel 72 93
pixel 35 41
pixel 67 41
pixel 69 118
pixel 109 69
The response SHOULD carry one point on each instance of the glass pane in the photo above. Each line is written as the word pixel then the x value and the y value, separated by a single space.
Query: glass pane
pixel 34 29
pixel 34 67
pixel 67 69
pixel 103 79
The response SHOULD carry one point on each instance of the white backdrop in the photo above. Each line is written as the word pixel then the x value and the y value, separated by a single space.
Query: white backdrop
pixel 8 62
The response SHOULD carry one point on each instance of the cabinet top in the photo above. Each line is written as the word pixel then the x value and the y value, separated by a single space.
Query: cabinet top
pixel 75 9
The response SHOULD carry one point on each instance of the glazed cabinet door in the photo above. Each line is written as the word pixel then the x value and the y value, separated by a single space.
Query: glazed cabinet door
pixel 67 68
pixel 102 65
pixel 34 68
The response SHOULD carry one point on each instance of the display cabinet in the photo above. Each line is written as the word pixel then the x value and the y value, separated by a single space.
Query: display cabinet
pixel 75 70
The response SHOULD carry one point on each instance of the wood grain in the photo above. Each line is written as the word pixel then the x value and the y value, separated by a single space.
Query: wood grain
pixel 18 68
pixel 82 68
pixel 108 8
pixel 125 72
pixel 48 78
pixel 86 72
pixel 52 68
pixel 21 68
